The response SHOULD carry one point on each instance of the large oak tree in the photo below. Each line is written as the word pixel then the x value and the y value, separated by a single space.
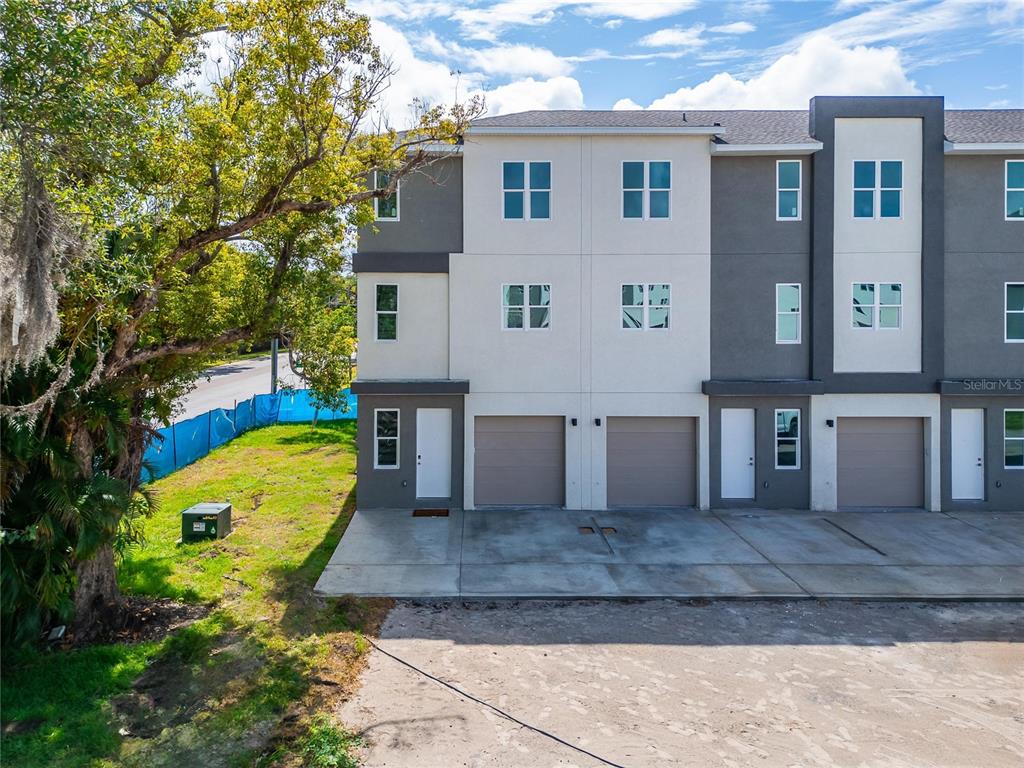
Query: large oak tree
pixel 158 207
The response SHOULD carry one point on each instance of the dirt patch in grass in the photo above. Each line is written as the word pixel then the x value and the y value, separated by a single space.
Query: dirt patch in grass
pixel 146 619
pixel 231 660
pixel 299 737
pixel 175 689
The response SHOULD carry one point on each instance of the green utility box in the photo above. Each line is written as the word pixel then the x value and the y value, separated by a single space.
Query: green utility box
pixel 209 520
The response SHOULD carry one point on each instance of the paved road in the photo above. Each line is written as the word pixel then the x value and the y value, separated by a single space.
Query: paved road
pixel 222 386
pixel 665 683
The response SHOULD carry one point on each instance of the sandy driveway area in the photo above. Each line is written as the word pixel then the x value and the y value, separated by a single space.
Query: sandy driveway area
pixel 665 683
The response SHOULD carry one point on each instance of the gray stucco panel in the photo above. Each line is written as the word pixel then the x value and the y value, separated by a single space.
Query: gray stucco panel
pixel 410 387
pixel 975 207
pixel 400 262
pixel 773 488
pixel 396 488
pixel 429 213
pixel 976 317
pixel 743 316
pixel 743 208
pixel 823 113
pixel 1004 488
pixel 750 253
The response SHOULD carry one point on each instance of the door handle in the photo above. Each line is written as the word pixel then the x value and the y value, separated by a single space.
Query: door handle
pixel 750 461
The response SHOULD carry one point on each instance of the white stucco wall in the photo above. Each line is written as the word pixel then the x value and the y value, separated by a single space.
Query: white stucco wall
pixel 688 230
pixel 498 360
pixel 676 359
pixel 877 250
pixel 484 230
pixel 877 349
pixel 824 439
pixel 585 366
pixel 421 351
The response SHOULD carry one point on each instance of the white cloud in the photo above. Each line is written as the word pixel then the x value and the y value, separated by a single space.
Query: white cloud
pixel 414 78
pixel 513 60
pixel 487 22
pixel 612 24
pixel 928 32
pixel 1000 87
pixel 903 20
pixel 519 60
pixel 674 37
pixel 750 8
pixel 554 93
pixel 626 104
pixel 638 10
pixel 435 83
pixel 998 104
pixel 399 10
pixel 1007 14
pixel 736 28
pixel 820 66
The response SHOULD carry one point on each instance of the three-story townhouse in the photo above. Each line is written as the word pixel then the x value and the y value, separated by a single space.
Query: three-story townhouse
pixel 703 308
pixel 982 441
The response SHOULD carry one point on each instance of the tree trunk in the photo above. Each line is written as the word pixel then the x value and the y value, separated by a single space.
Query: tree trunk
pixel 99 606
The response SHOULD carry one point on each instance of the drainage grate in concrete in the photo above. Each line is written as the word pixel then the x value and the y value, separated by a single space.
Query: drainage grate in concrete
pixel 430 513
pixel 586 529
pixel 606 531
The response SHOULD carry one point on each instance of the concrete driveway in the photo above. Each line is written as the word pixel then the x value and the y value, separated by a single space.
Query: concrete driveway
pixel 664 683
pixel 549 553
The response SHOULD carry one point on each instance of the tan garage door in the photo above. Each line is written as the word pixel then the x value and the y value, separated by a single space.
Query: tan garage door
pixel 652 461
pixel 519 460
pixel 881 462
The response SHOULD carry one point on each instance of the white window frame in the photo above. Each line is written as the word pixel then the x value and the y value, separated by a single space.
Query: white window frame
pixel 796 440
pixel 526 307
pixel 1007 312
pixel 646 307
pixel 397 438
pixel 1008 439
pixel 645 191
pixel 377 312
pixel 876 198
pixel 377 200
pixel 799 190
pixel 1007 189
pixel 875 315
pixel 799 313
pixel 526 190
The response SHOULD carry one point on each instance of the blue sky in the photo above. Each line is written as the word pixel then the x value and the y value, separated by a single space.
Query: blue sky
pixel 678 54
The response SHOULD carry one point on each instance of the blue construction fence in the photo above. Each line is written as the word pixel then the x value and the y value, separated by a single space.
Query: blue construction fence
pixel 186 441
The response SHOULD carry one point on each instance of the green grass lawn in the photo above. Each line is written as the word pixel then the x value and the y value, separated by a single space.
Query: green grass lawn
pixel 245 684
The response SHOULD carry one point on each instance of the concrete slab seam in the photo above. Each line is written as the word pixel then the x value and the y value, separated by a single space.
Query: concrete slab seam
pixel 743 538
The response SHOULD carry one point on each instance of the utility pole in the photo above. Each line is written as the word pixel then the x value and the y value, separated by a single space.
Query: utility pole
pixel 273 366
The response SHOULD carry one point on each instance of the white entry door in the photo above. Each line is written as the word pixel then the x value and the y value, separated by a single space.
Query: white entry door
pixel 738 453
pixel 967 437
pixel 433 453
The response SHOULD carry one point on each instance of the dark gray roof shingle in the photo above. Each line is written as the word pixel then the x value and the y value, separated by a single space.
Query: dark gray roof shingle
pixel 978 126
pixel 754 126
pixel 783 126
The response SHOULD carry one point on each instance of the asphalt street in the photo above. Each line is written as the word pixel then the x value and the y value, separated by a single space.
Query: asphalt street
pixel 223 386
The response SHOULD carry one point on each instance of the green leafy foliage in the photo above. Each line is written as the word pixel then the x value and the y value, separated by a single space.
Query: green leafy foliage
pixel 223 685
pixel 201 206
pixel 328 746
